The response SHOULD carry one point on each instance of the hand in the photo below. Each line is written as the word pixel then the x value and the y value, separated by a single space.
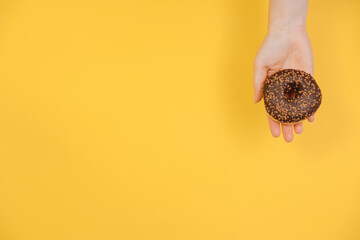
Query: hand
pixel 281 49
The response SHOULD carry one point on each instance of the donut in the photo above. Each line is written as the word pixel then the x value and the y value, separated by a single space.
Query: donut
pixel 291 96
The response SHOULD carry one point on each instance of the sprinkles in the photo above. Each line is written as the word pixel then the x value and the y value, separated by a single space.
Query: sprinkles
pixel 291 96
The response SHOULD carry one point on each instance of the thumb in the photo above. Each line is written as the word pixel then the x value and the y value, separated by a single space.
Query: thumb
pixel 260 73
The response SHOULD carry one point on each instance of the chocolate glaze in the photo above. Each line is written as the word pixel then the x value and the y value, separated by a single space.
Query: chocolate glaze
pixel 291 96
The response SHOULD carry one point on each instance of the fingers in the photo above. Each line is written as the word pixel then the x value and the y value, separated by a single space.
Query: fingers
pixel 298 128
pixel 287 132
pixel 274 127
pixel 287 129
pixel 260 73
pixel 311 119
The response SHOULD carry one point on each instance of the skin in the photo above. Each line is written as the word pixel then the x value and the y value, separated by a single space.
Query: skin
pixel 286 45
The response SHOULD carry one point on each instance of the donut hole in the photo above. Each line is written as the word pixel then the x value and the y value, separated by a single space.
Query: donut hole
pixel 290 94
pixel 292 91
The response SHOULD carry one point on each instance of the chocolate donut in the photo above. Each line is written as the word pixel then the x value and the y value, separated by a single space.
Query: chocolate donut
pixel 291 96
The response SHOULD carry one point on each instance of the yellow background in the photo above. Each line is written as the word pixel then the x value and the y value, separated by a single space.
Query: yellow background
pixel 135 120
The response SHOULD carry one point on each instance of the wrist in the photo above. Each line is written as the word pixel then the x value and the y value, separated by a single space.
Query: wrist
pixel 287 29
pixel 290 25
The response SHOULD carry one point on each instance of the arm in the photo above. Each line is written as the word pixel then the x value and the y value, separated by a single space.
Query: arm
pixel 286 45
pixel 287 14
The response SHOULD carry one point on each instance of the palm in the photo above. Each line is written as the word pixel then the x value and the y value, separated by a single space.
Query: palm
pixel 277 52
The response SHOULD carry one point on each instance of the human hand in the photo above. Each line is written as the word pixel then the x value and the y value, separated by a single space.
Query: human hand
pixel 282 48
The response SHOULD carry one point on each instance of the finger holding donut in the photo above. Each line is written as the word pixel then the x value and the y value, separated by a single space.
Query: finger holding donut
pixel 291 96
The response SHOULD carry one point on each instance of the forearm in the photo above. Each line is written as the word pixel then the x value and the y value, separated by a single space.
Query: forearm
pixel 287 14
